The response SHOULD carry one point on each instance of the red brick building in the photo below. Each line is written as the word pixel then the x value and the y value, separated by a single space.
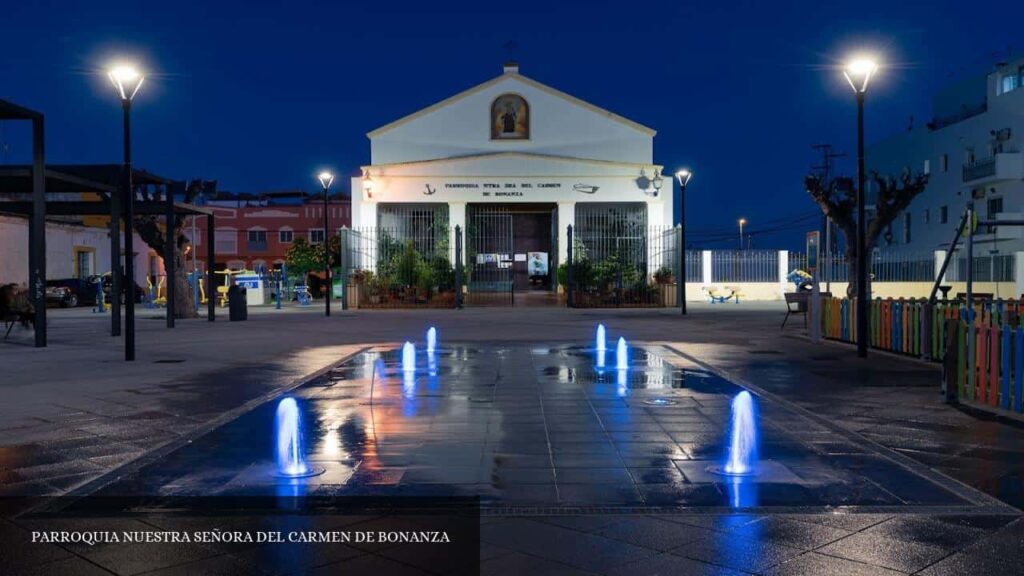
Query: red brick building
pixel 250 233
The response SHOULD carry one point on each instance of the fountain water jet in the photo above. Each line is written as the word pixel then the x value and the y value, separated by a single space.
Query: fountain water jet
pixel 621 355
pixel 742 457
pixel 600 340
pixel 409 357
pixel 291 457
pixel 431 340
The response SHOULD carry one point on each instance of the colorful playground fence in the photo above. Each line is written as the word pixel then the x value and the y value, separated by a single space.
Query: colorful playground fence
pixel 992 373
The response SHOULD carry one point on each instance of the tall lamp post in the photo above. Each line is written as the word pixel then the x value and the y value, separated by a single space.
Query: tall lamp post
pixel 858 72
pixel 326 179
pixel 741 221
pixel 683 176
pixel 127 80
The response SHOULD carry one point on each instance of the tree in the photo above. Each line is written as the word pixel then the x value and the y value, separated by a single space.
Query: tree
pixel 837 199
pixel 303 257
pixel 153 229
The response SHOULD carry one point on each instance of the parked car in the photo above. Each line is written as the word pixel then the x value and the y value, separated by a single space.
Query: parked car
pixel 140 292
pixel 80 291
pixel 61 296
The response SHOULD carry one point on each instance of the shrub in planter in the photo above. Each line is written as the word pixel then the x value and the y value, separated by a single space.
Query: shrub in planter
pixel 664 275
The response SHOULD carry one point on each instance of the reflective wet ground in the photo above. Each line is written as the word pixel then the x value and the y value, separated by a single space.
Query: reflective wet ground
pixel 543 427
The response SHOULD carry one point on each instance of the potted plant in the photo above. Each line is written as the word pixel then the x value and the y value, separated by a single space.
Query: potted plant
pixel 666 281
pixel 664 275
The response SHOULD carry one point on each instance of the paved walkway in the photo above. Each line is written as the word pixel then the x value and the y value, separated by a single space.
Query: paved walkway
pixel 75 411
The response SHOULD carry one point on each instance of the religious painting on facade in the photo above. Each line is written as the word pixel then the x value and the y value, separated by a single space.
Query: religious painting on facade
pixel 510 118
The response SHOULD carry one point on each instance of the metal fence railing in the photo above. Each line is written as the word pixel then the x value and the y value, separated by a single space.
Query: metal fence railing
pixel 988 268
pixel 745 266
pixel 399 267
pixel 627 265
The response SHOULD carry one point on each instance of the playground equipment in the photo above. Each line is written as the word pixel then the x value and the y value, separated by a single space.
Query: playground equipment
pixel 195 279
pixel 222 291
pixel 303 295
pixel 722 296
pixel 802 281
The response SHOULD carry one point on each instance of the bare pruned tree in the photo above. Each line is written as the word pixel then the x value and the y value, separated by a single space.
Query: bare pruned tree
pixel 837 199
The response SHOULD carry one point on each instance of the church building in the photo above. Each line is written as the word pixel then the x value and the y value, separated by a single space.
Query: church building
pixel 513 163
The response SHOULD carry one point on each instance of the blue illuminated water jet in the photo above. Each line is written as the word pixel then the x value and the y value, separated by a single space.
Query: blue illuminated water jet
pixel 431 340
pixel 742 458
pixel 621 355
pixel 409 357
pixel 291 458
pixel 601 343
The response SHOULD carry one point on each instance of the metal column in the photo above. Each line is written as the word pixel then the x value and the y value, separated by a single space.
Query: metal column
pixel 211 286
pixel 115 262
pixel 170 270
pixel 37 233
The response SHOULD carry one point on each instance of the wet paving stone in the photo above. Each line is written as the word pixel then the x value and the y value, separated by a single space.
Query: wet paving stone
pixel 529 428
pixel 554 415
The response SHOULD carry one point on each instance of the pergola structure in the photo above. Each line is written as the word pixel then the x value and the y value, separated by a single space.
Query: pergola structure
pixel 37 191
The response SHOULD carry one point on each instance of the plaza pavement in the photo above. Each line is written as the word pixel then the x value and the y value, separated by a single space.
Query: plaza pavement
pixel 74 412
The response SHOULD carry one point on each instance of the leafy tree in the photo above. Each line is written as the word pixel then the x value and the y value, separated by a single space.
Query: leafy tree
pixel 304 257
pixel 837 199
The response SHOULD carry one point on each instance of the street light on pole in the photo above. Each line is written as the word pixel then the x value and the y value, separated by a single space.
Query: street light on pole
pixel 127 79
pixel 683 177
pixel 858 73
pixel 326 179
pixel 742 221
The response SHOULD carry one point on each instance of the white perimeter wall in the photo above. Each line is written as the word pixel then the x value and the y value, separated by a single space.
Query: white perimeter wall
pixel 61 239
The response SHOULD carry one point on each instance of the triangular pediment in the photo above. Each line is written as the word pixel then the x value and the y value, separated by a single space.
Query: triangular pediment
pixel 512 82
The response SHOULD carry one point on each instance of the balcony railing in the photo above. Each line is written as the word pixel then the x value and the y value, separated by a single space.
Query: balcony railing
pixel 981 168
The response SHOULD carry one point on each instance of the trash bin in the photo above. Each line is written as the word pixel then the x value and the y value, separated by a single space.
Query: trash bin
pixel 238 308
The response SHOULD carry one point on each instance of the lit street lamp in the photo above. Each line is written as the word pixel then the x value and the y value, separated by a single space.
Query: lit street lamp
pixel 742 221
pixel 858 73
pixel 683 176
pixel 127 80
pixel 326 179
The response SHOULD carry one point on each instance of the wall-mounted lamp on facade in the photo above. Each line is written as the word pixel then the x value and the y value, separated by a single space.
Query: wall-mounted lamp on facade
pixel 367 185
pixel 657 181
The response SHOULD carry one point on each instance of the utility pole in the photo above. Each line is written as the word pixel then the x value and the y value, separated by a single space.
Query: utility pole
pixel 825 172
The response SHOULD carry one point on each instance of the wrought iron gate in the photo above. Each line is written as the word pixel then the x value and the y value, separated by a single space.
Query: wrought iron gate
pixel 489 256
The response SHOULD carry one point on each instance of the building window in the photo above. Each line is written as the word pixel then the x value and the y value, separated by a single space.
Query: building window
pixel 906 228
pixel 257 240
pixel 927 167
pixel 83 262
pixel 1009 83
pixel 285 236
pixel 943 214
pixel 944 162
pixel 993 207
pixel 225 241
pixel 316 235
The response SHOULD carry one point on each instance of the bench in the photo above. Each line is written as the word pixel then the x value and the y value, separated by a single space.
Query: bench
pixel 976 295
pixel 15 308
pixel 796 303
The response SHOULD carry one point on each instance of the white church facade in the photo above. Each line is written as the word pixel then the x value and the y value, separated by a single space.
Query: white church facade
pixel 512 156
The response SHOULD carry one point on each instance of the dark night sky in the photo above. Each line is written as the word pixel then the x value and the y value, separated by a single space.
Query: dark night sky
pixel 259 95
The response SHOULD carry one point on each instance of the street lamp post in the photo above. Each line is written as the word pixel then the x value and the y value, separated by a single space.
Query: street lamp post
pixel 683 176
pixel 127 80
pixel 326 179
pixel 858 72
pixel 742 221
